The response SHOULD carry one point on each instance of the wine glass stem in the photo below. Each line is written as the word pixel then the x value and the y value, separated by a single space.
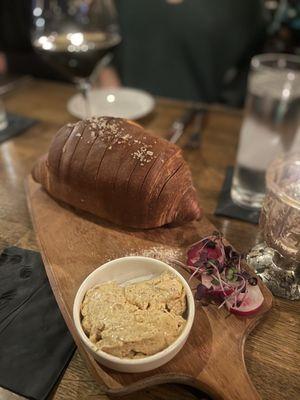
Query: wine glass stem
pixel 84 88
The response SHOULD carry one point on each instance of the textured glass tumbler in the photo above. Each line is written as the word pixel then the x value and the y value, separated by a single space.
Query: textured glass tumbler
pixel 277 261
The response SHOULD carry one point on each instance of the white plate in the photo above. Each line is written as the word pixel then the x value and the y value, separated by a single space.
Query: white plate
pixel 118 102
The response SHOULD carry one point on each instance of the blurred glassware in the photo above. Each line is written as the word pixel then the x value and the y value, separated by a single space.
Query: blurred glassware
pixel 271 124
pixel 283 32
pixel 277 261
pixel 74 36
pixel 3 117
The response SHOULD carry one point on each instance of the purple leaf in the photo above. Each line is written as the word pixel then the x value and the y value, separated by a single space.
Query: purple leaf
pixel 201 292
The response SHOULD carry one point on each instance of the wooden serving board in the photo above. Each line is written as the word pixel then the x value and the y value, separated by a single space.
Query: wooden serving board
pixel 73 244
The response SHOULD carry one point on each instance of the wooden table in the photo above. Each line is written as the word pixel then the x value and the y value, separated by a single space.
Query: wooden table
pixel 272 350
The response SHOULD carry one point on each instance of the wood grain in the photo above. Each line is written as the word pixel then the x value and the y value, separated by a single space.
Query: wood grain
pixel 272 352
pixel 74 244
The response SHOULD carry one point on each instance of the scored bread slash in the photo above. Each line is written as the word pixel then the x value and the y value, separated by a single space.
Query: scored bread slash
pixel 115 169
pixel 114 133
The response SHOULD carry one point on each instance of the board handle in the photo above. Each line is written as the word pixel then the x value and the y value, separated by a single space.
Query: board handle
pixel 226 378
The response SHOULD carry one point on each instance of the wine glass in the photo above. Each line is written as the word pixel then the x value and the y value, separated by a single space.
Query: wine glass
pixel 74 36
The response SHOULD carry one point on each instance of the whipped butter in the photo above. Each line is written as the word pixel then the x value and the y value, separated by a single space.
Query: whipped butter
pixel 135 320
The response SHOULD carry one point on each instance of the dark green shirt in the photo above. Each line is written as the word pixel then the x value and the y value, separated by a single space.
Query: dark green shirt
pixel 196 50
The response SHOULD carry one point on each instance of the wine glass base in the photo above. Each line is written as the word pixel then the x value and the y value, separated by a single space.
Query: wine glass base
pixel 282 282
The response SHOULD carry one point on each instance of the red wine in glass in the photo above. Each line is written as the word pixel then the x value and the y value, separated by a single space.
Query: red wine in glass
pixel 74 36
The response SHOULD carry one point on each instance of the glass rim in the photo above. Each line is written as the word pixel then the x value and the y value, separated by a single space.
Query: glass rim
pixel 258 60
pixel 271 172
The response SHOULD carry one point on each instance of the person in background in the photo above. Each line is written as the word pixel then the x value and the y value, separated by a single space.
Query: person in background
pixel 186 49
pixel 190 49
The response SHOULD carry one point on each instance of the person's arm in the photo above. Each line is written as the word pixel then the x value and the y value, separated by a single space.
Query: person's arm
pixel 109 77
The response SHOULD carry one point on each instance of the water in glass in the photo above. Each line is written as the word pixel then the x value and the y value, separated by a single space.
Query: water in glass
pixel 270 128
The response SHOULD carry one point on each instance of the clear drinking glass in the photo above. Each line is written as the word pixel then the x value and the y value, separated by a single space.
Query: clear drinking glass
pixel 3 117
pixel 74 35
pixel 271 124
pixel 277 260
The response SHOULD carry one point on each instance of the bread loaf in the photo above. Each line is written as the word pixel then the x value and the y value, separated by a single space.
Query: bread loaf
pixel 114 169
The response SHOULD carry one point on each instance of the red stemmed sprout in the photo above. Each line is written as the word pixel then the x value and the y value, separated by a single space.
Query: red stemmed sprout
pixel 219 267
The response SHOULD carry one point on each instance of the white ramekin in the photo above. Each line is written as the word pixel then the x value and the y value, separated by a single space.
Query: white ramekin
pixel 122 270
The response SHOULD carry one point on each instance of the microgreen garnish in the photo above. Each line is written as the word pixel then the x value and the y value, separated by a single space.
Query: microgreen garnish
pixel 252 281
pixel 219 267
pixel 201 292
pixel 215 281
